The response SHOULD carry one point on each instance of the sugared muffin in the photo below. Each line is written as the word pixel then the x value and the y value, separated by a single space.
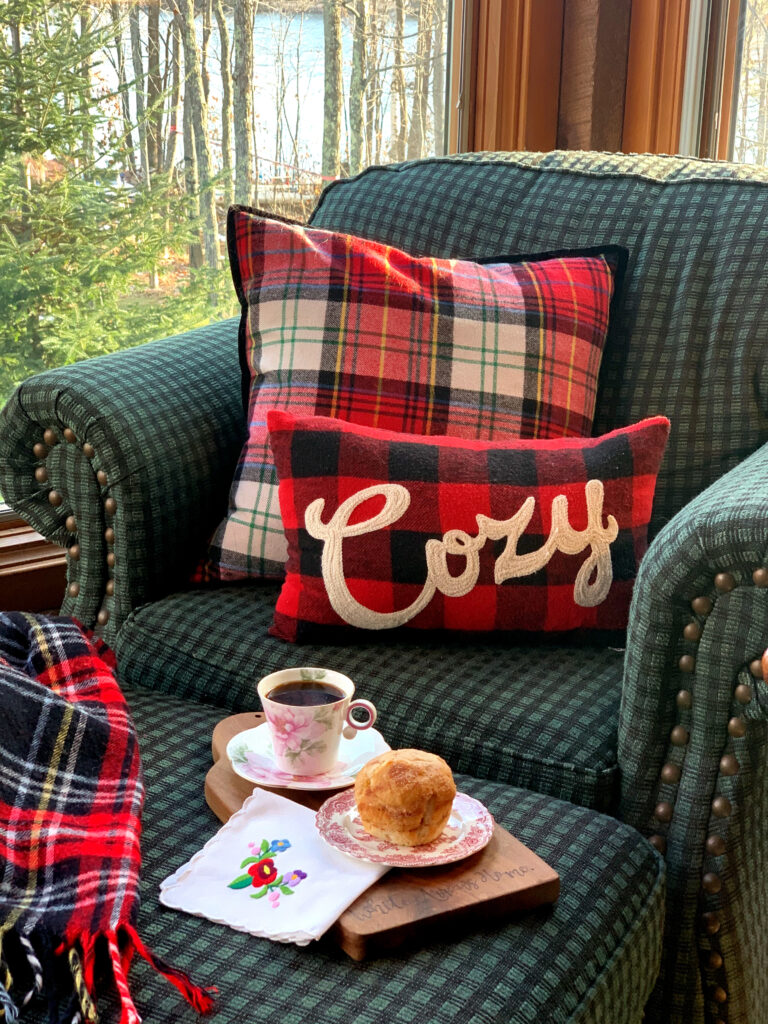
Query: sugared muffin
pixel 405 796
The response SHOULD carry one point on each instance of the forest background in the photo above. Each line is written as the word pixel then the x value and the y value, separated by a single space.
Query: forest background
pixel 127 129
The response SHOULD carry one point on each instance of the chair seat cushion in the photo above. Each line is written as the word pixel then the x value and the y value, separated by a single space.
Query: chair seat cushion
pixel 544 717
pixel 592 957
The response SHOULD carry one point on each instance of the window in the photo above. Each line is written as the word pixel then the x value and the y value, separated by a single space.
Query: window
pixel 127 128
pixel 749 142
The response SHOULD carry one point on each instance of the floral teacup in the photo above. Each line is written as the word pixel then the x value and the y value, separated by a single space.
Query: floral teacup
pixel 305 737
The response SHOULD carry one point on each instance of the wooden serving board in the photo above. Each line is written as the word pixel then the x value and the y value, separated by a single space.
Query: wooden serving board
pixel 406 905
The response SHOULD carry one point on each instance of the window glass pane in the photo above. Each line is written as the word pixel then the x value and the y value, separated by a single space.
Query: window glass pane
pixel 750 129
pixel 126 130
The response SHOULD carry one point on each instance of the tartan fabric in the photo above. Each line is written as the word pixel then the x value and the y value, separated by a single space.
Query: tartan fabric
pixel 538 716
pixel 70 803
pixel 166 423
pixel 338 326
pixel 591 959
pixel 455 553
pixel 688 338
pixel 722 530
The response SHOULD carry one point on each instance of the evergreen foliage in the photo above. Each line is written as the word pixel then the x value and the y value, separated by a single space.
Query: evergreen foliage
pixel 76 246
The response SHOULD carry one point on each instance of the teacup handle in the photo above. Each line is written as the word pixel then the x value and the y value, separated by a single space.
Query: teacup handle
pixel 352 728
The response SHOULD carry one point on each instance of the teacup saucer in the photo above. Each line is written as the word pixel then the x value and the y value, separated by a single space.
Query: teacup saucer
pixel 251 756
pixel 469 829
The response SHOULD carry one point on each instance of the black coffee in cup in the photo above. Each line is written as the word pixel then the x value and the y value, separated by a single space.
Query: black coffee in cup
pixel 304 693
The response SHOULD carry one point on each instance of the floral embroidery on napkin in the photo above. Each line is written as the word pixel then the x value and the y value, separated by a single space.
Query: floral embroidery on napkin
pixel 262 874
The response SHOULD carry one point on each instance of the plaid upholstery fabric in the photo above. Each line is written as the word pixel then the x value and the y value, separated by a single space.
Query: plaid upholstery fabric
pixel 591 959
pixel 168 453
pixel 724 530
pixel 540 717
pixel 70 802
pixel 688 343
pixel 338 326
pixel 351 562
pixel 688 339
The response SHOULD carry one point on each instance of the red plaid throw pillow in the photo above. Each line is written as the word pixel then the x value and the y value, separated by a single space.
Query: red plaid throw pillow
pixel 388 530
pixel 338 326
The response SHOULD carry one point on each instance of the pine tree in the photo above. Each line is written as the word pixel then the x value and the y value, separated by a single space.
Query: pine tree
pixel 75 248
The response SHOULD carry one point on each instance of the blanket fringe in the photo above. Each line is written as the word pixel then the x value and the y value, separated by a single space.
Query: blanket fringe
pixel 35 967
pixel 5 972
pixel 84 997
pixel 9 1012
pixel 201 999
pixel 129 1014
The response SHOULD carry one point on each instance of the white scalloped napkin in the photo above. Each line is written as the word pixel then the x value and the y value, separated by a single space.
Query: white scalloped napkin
pixel 268 872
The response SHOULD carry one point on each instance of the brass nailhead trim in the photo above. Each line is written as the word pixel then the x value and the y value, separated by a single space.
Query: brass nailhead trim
pixel 663 811
pixel 711 882
pixel 729 765
pixel 69 435
pixel 88 450
pixel 721 807
pixel 687 663
pixel 715 961
pixel 760 577
pixel 702 605
pixel 40 450
pixel 756 668
pixel 101 476
pixel 109 535
pixel 720 995
pixel 692 632
pixel 684 699
pixel 737 727
pixel 50 437
pixel 679 736
pixel 743 693
pixel 111 559
pixel 110 588
pixel 711 923
pixel 110 506
pixel 670 774
pixel 725 582
pixel 715 846
pixel 41 475
pixel 74 589
pixel 74 551
pixel 55 498
pixel 71 524
pixel 658 843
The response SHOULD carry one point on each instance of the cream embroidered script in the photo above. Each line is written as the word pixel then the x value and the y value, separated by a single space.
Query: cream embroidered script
pixel 591 585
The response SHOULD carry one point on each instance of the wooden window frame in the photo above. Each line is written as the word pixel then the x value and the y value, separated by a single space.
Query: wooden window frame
pixel 32 569
pixel 721 81
pixel 506 56
pixel 658 42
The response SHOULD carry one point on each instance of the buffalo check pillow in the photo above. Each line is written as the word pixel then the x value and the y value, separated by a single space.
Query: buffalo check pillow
pixel 387 530
pixel 338 326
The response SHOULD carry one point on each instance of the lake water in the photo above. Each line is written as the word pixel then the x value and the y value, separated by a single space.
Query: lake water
pixel 296 42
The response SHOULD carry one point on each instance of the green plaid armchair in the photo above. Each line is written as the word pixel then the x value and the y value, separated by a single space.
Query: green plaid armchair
pixel 667 735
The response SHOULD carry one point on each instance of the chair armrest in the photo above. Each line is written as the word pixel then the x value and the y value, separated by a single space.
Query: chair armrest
pixel 129 458
pixel 692 734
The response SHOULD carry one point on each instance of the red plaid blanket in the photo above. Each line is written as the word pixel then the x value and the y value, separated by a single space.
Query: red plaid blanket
pixel 71 794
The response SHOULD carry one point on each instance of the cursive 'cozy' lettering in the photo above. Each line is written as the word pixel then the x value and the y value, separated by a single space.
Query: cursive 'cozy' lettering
pixel 591 585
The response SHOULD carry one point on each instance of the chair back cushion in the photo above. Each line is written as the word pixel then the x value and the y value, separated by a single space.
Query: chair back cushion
pixel 691 338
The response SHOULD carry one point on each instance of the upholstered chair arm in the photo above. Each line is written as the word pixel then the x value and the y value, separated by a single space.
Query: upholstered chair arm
pixel 692 737
pixel 126 460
